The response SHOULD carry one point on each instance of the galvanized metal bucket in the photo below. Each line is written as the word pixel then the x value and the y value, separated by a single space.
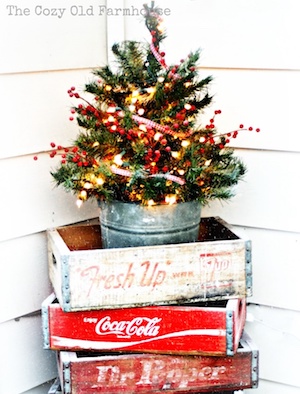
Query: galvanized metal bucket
pixel 130 224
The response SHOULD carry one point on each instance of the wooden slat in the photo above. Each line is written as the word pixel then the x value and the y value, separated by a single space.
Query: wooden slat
pixel 85 278
pixel 24 363
pixel 231 34
pixel 276 333
pixel 45 44
pixel 145 373
pixel 267 198
pixel 208 328
pixel 24 280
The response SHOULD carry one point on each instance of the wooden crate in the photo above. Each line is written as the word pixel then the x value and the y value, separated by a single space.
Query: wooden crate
pixel 148 373
pixel 212 328
pixel 56 389
pixel 85 277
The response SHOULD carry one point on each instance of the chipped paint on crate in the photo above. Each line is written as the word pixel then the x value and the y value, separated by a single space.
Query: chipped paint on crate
pixel 211 328
pixel 84 276
pixel 148 373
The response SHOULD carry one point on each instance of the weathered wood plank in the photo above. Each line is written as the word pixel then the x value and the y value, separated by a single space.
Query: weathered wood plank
pixel 87 277
pixel 145 373
pixel 212 328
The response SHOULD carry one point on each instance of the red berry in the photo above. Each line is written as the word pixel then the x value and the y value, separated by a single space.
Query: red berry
pixel 35 157
pixel 168 148
pixel 257 130
pixel 250 128
pixel 71 118
pixel 162 54
pixel 241 126
pixel 73 88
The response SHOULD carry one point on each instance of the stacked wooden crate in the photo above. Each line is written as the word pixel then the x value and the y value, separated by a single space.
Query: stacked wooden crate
pixel 150 319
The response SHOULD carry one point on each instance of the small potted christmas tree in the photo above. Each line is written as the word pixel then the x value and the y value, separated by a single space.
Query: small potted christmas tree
pixel 142 149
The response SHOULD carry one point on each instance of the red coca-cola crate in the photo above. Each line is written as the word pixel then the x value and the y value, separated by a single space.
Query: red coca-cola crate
pixel 213 328
pixel 85 276
pixel 155 373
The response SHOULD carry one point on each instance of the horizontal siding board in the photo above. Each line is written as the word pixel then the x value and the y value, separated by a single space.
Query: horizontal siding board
pixel 275 266
pixel 24 362
pixel 247 97
pixel 40 49
pixel 40 114
pixel 24 280
pixel 268 189
pixel 276 333
pixel 41 389
pixel 266 387
pixel 253 34
pixel 38 204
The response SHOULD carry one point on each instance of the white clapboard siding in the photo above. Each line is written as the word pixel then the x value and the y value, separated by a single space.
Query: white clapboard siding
pixel 267 198
pixel 266 387
pixel 36 203
pixel 42 389
pixel 247 97
pixel 276 332
pixel 24 280
pixel 24 362
pixel 49 42
pixel 35 110
pixel 275 266
pixel 231 33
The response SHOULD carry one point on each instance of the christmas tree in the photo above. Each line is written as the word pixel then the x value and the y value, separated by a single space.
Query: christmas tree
pixel 141 138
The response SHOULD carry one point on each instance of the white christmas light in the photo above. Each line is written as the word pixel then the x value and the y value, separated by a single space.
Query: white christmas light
pixel 118 159
pixel 185 143
pixel 171 199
